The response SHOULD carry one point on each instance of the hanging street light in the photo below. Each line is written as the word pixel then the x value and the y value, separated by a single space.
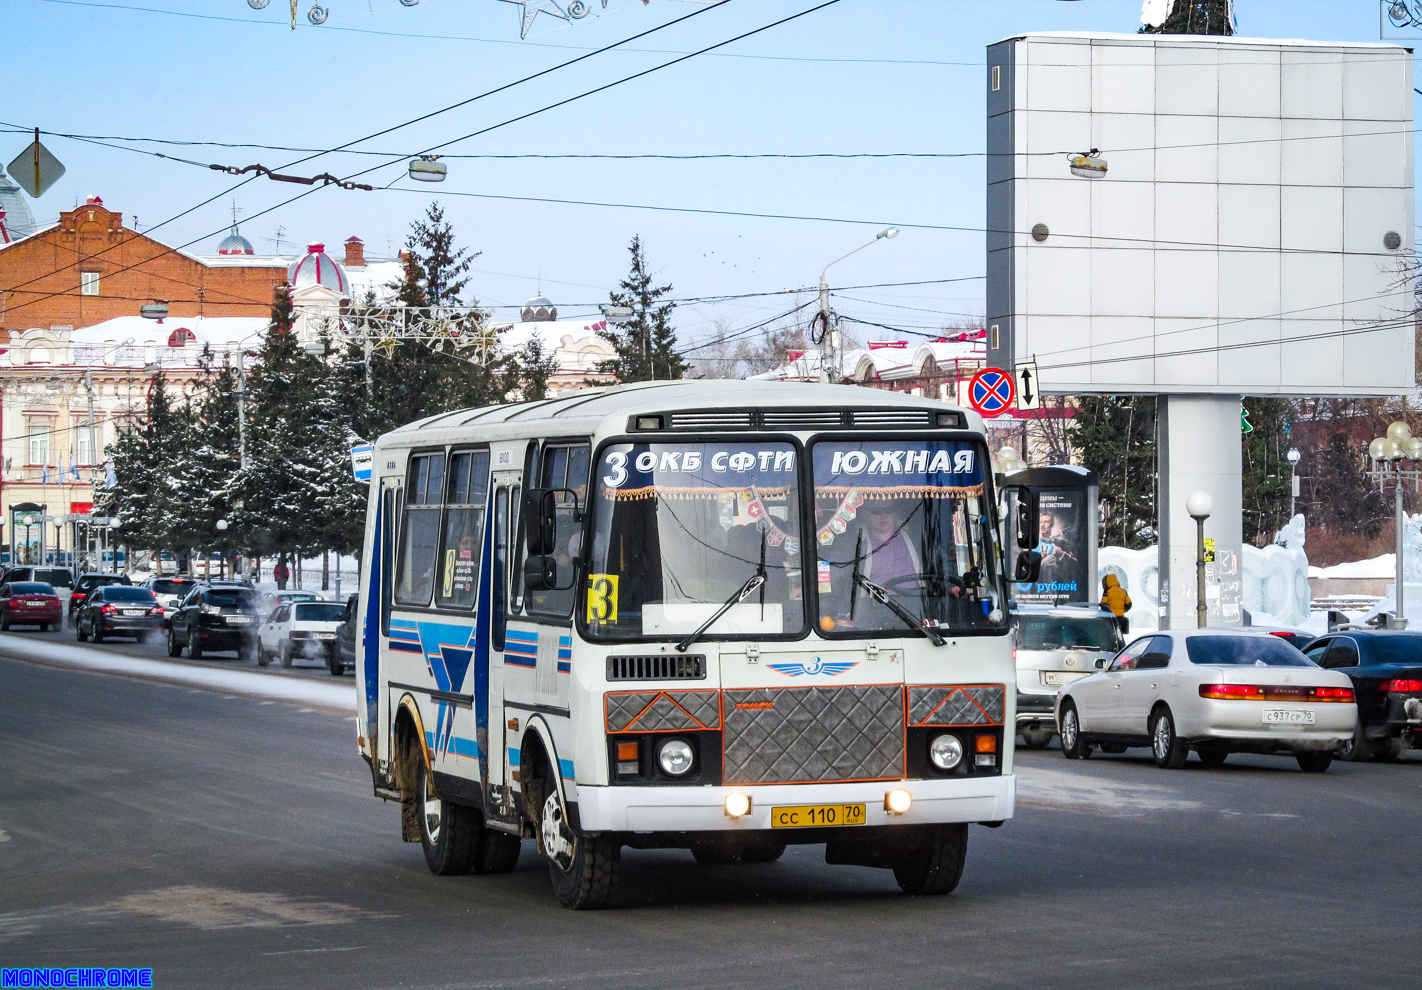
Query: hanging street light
pixel 428 168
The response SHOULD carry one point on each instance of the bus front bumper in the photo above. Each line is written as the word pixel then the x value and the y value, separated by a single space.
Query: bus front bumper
pixel 703 809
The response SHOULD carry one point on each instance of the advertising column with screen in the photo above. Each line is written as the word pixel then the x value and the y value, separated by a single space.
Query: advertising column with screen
pixel 1066 536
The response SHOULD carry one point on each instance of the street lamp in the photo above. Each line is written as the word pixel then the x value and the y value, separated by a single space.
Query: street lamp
pixel 1294 457
pixel 828 348
pixel 222 528
pixel 1387 450
pixel 1200 505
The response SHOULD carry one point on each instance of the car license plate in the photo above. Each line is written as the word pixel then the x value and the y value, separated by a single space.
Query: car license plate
pixel 1060 676
pixel 35 604
pixel 1288 716
pixel 133 611
pixel 238 620
pixel 813 815
pixel 325 635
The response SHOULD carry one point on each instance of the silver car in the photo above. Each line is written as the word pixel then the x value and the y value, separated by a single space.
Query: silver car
pixel 1053 647
pixel 1216 691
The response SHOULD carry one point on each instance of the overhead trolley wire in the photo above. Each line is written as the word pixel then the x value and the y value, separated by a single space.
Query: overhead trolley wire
pixel 423 117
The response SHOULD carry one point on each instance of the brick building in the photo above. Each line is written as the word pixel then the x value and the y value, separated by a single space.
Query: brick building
pixel 89 268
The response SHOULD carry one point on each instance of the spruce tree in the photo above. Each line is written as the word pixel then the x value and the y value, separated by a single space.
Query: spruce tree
pixel 1115 437
pixel 536 366
pixel 645 343
pixel 1196 17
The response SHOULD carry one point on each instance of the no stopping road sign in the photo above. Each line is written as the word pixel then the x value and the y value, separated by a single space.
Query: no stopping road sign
pixel 991 391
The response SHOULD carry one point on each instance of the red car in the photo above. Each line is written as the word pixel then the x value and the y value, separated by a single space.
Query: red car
pixel 29 603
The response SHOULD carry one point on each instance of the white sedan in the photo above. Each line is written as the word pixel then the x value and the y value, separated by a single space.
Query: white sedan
pixel 1217 691
pixel 301 629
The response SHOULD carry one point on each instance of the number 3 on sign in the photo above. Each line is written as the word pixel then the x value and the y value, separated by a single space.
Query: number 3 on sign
pixel 602 598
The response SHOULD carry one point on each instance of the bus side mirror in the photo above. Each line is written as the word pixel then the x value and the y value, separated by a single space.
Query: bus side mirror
pixel 540 573
pixel 1029 512
pixel 540 512
pixel 1028 567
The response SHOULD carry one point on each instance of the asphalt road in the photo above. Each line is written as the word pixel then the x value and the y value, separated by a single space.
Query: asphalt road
pixel 228 842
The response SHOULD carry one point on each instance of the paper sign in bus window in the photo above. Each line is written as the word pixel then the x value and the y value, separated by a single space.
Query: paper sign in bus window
pixel 602 598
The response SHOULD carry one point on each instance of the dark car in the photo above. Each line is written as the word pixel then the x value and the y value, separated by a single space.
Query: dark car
pixel 29 603
pixel 346 635
pixel 216 616
pixel 1386 670
pixel 119 610
pixel 86 584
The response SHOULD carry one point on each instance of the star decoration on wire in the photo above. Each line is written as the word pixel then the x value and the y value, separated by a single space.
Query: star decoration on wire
pixel 484 340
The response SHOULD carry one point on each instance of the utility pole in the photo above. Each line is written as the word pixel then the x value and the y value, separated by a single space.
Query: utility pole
pixel 829 338
pixel 93 457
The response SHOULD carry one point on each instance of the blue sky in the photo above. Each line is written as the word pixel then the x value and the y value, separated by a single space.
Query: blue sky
pixel 859 76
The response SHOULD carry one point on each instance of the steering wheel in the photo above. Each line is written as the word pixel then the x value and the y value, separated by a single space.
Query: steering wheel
pixel 913 583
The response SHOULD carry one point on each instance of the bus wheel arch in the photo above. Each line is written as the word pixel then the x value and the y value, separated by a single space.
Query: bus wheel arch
pixel 410 753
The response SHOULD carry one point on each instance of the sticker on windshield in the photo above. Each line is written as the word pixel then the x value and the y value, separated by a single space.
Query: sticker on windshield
pixel 602 598
pixel 824 577
pixel 699 465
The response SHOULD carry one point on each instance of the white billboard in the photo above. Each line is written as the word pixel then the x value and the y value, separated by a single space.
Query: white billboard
pixel 1247 232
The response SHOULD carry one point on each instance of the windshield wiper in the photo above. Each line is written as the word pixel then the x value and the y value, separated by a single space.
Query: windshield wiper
pixel 756 580
pixel 882 597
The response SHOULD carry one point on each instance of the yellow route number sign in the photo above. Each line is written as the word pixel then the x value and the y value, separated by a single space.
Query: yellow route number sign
pixel 602 598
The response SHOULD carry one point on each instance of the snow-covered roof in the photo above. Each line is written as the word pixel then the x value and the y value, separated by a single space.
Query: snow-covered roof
pixel 216 331
pixel 1198 39
pixel 375 277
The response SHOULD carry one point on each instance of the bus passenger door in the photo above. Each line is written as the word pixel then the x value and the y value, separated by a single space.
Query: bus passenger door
pixel 372 651
pixel 498 797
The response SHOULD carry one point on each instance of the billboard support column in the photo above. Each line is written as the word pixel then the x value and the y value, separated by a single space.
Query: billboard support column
pixel 1199 444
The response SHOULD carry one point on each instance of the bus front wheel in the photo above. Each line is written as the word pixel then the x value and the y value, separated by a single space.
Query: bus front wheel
pixel 583 867
pixel 931 860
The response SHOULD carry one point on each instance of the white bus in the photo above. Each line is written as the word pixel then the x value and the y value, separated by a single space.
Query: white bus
pixel 721 616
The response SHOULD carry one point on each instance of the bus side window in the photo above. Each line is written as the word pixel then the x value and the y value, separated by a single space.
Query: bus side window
pixel 387 556
pixel 419 532
pixel 515 593
pixel 530 465
pixel 468 494
pixel 563 467
pixel 499 610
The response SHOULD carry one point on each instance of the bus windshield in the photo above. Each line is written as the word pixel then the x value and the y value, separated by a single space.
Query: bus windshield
pixel 905 522
pixel 681 529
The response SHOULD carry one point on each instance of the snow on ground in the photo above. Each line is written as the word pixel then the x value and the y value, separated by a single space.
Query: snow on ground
pixel 1378 567
pixel 336 695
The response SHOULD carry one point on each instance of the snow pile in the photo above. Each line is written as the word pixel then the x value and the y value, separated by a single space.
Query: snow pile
pixel 336 695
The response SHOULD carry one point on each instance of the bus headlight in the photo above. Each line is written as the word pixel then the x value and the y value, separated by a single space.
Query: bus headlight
pixel 676 757
pixel 946 751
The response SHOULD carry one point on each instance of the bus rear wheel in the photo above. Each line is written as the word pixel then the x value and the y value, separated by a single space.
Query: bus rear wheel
pixel 931 860
pixel 583 868
pixel 448 832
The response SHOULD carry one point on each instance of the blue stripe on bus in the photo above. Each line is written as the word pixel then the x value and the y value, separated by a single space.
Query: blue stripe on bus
pixel 514 660
pixel 564 668
pixel 398 648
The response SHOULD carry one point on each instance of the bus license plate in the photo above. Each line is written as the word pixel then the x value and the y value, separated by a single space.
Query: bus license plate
pixel 1284 716
pixel 814 815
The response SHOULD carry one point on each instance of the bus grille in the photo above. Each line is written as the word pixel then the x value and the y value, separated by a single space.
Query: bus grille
pixel 657 668
pixel 819 734
pixel 711 419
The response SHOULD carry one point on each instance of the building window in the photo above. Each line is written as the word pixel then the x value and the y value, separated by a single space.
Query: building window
pixel 88 283
pixel 84 437
pixel 996 78
pixel 39 444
